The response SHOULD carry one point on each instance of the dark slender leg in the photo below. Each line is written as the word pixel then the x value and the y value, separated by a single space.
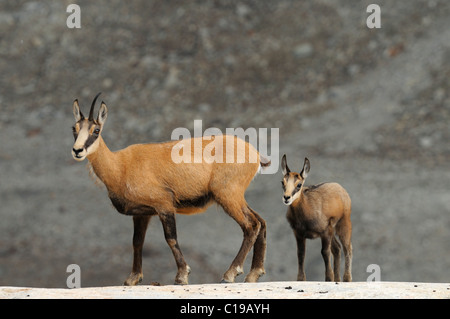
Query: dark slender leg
pixel 170 233
pixel 259 251
pixel 326 254
pixel 336 251
pixel 301 249
pixel 250 226
pixel 344 231
pixel 140 228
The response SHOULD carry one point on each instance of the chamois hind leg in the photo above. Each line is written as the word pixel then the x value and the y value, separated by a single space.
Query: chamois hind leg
pixel 170 233
pixel 344 231
pixel 250 226
pixel 326 254
pixel 140 227
pixel 336 251
pixel 259 251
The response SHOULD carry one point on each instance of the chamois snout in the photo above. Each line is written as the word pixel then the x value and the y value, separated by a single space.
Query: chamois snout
pixel 287 200
pixel 76 153
pixel 79 154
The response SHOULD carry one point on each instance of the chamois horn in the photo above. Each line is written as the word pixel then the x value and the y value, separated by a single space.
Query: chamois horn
pixel 91 112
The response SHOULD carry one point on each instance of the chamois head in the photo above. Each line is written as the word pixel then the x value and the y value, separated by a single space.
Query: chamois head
pixel 292 182
pixel 87 131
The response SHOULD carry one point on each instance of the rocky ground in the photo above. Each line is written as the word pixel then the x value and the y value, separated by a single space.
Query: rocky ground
pixel 370 108
pixel 267 290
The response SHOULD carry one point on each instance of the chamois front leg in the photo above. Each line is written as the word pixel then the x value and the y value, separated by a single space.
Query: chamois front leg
pixel 301 247
pixel 140 228
pixel 170 233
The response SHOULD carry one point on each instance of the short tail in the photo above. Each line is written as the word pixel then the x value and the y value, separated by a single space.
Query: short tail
pixel 264 162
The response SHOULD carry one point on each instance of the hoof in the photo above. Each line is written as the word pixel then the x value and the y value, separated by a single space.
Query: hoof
pixel 182 276
pixel 254 275
pixel 223 281
pixel 181 281
pixel 133 280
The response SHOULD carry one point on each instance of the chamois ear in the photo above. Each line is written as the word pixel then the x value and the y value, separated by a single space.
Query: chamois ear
pixel 102 114
pixel 77 112
pixel 285 169
pixel 305 170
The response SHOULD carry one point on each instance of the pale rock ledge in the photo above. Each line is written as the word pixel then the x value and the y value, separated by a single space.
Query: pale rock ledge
pixel 263 290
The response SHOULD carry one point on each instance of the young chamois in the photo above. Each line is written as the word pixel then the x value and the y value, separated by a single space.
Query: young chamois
pixel 323 211
pixel 142 180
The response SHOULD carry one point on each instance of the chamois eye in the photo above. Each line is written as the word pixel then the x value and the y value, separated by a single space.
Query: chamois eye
pixel 97 131
pixel 299 185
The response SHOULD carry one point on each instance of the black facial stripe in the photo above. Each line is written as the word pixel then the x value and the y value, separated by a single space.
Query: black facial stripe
pixel 91 139
pixel 296 189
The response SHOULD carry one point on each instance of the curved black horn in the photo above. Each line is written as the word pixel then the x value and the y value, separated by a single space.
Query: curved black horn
pixel 91 112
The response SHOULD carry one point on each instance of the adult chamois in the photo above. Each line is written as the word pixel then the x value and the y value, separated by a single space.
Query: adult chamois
pixel 323 211
pixel 142 180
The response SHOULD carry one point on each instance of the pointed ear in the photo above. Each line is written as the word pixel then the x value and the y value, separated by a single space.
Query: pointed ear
pixel 102 114
pixel 305 170
pixel 77 112
pixel 285 169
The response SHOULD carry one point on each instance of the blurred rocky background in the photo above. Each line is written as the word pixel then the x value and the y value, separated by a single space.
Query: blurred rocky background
pixel 369 107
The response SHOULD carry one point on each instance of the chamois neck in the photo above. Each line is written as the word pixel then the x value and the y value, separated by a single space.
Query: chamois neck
pixel 104 164
pixel 300 200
